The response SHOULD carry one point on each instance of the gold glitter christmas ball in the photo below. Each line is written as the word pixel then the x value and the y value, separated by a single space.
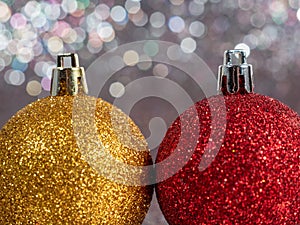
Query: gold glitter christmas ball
pixel 53 165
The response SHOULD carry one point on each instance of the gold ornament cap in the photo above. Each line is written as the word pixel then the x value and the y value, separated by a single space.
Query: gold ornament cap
pixel 68 80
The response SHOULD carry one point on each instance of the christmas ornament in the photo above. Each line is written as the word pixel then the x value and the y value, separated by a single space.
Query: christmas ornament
pixel 45 178
pixel 253 178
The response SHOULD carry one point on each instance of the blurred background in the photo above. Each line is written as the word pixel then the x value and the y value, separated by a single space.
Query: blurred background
pixel 32 33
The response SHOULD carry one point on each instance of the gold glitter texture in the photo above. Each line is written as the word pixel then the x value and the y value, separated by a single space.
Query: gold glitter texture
pixel 45 178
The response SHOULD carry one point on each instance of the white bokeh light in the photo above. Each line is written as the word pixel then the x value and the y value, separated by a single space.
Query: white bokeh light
pixel 298 14
pixel 118 14
pixel 188 45
pixel 69 6
pixel 157 20
pixel 14 77
pixel 243 46
pixel 131 58
pixel 32 9
pixel 5 12
pixel 55 44
pixel 106 32
pixel 33 88
pixel 197 29
pixel 117 89
pixel 176 24
pixel 195 8
pixel 132 6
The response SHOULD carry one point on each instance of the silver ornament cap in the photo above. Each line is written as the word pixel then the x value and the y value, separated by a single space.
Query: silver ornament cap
pixel 235 75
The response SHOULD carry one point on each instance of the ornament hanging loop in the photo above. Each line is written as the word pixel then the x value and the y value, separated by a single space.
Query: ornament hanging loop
pixel 73 57
pixel 68 80
pixel 235 75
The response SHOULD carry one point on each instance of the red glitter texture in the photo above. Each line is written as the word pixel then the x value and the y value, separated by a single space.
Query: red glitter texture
pixel 254 178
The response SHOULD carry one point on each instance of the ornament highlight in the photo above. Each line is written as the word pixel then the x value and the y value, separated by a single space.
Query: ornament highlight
pixel 253 178
pixel 46 179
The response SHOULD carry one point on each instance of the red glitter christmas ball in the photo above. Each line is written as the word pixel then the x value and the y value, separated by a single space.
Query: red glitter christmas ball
pixel 254 179
pixel 254 176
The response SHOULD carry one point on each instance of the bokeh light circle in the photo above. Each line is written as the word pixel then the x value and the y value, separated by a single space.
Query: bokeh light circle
pixel 151 48
pixel 18 21
pixel 14 77
pixel 117 89
pixel 106 32
pixel 32 9
pixel 46 83
pixel 55 45
pixel 244 47
pixel 157 19
pixel 195 8
pixel 131 57
pixel 2 64
pixel 161 70
pixel 5 37
pixel 69 6
pixel 188 45
pixel 197 29
pixel 176 24
pixel 118 13
pixel 145 62
pixel 33 88
pixel 132 6
pixel 5 12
